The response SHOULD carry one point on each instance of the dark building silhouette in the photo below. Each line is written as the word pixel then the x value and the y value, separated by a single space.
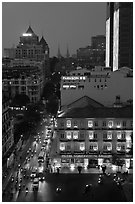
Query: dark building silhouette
pixel 119 35
pixel 92 55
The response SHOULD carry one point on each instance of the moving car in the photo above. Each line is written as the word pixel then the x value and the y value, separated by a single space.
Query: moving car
pixel 35 184
pixel 33 174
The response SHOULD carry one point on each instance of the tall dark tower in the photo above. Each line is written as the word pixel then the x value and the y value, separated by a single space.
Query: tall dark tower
pixel 119 35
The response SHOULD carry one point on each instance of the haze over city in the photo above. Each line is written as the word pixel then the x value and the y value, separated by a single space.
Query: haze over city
pixel 67 102
pixel 63 23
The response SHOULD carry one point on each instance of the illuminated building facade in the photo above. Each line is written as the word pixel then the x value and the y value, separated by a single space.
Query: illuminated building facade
pixel 119 35
pixel 7 126
pixel 91 135
pixel 100 84
pixel 30 47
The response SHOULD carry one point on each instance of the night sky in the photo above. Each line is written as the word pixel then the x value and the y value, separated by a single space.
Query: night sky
pixel 60 22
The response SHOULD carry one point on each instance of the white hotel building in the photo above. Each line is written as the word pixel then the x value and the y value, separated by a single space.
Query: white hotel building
pixel 101 85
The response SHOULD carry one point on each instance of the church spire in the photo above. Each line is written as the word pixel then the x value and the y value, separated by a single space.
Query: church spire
pixel 67 55
pixel 59 54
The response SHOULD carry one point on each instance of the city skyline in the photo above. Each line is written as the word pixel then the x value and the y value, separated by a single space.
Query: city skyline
pixel 74 30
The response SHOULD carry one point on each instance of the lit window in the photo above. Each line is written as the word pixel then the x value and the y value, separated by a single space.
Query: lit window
pixel 90 123
pixel 91 135
pixel 95 147
pixel 75 135
pixel 68 123
pixel 118 135
pixel 118 124
pixel 68 135
pixel 75 124
pixel 110 124
pixel 82 146
pixel 62 146
pixel 109 146
pixel 118 147
pixel 109 135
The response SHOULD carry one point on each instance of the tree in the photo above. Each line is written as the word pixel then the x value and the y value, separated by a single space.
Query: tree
pixel 53 62
pixel 20 100
pixel 49 89
pixel 52 105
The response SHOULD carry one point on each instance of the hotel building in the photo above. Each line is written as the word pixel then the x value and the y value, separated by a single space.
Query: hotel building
pixel 92 134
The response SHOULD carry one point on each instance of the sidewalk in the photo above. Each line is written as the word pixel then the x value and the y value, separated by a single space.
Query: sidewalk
pixel 14 166
pixel 67 170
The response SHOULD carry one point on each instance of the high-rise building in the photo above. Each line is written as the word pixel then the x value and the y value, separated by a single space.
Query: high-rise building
pixel 119 35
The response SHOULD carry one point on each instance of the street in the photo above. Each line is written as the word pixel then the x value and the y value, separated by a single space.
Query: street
pixel 72 189
pixel 56 187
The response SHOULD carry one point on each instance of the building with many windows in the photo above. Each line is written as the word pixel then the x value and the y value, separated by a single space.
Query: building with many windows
pixel 24 79
pixel 7 126
pixel 94 55
pixel 30 47
pixel 89 134
pixel 100 84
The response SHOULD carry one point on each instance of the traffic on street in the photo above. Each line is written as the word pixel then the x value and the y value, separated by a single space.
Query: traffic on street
pixel 30 171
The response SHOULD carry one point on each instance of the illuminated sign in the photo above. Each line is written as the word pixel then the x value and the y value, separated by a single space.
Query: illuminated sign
pixel 27 34
pixel 107 42
pixel 73 78
pixel 116 40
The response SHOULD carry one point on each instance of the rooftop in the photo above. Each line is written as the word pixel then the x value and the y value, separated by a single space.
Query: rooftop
pixel 100 112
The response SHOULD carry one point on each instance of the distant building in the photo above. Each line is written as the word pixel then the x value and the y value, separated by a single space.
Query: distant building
pixel 100 84
pixel 94 55
pixel 98 42
pixel 7 126
pixel 89 134
pixel 119 35
pixel 31 48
